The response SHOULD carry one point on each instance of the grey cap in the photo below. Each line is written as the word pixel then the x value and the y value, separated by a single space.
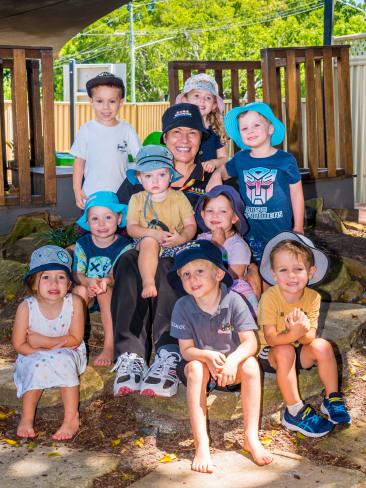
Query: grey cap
pixel 49 258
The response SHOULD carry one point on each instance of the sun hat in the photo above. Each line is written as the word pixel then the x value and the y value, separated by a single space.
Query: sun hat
pixel 202 81
pixel 106 199
pixel 236 201
pixel 105 78
pixel 150 158
pixel 183 115
pixel 200 249
pixel 232 124
pixel 153 138
pixel 320 259
pixel 49 258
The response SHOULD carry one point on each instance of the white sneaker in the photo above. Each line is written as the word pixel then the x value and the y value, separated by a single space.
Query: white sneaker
pixel 161 379
pixel 130 370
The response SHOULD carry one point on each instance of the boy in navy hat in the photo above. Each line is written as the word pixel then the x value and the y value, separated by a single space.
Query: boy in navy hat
pixel 269 179
pixel 216 337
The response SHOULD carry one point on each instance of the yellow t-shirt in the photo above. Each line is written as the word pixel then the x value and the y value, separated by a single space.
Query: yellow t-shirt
pixel 172 211
pixel 273 309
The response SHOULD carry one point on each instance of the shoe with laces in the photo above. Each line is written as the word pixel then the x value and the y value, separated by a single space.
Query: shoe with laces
pixel 308 422
pixel 130 370
pixel 161 379
pixel 335 408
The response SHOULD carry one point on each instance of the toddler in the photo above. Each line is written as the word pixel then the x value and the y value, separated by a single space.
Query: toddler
pixel 48 336
pixel 288 315
pixel 269 179
pixel 94 256
pixel 159 218
pixel 102 146
pixel 202 90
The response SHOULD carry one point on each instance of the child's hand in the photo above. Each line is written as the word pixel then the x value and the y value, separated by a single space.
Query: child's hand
pixel 253 278
pixel 171 239
pixel 218 236
pixel 297 322
pixel 80 198
pixel 215 361
pixel 209 166
pixel 228 373
pixel 298 230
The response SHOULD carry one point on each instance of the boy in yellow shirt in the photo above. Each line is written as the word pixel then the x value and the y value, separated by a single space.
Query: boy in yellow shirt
pixel 288 316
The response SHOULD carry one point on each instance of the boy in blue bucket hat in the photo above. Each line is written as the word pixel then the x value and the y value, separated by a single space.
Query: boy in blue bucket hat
pixel 94 256
pixel 159 218
pixel 269 179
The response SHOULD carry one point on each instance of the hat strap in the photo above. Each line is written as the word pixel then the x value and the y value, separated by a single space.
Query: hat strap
pixel 149 204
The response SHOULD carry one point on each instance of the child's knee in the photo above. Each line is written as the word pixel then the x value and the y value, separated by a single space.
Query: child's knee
pixel 282 355
pixel 196 371
pixel 148 244
pixel 322 349
pixel 250 367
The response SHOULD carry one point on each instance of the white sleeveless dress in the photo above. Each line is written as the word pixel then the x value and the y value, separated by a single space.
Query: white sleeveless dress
pixel 55 367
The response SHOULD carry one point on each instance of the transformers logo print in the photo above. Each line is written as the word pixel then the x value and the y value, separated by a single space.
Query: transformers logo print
pixel 259 184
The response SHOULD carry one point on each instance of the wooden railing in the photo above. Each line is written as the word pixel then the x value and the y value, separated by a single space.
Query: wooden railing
pixel 31 73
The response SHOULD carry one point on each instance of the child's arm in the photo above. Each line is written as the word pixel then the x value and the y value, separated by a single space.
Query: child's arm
pixel 214 360
pixel 188 232
pixel 220 160
pixel 297 318
pixel 298 206
pixel 19 336
pixel 77 179
pixel 253 278
pixel 295 330
pixel 217 177
pixel 247 348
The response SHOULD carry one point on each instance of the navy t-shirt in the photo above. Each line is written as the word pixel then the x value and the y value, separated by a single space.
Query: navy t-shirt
pixel 209 146
pixel 264 185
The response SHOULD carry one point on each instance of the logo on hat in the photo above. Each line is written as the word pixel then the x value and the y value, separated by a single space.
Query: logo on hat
pixel 182 113
pixel 63 256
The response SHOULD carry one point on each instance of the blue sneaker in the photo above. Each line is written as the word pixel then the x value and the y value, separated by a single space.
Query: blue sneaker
pixel 335 408
pixel 308 422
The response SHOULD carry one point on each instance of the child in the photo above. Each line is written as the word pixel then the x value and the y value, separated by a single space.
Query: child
pixel 159 218
pixel 94 257
pixel 269 179
pixel 48 336
pixel 102 146
pixel 216 338
pixel 221 213
pixel 288 314
pixel 202 90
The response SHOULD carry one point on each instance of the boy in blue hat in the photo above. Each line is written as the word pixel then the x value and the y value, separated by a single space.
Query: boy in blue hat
pixel 159 218
pixel 216 337
pixel 269 179
pixel 94 257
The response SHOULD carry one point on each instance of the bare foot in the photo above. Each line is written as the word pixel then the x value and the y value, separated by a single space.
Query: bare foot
pixel 202 460
pixel 25 429
pixel 67 430
pixel 259 454
pixel 149 290
pixel 105 358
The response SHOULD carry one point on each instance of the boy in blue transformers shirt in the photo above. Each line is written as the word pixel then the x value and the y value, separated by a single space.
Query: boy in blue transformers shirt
pixel 269 179
pixel 94 257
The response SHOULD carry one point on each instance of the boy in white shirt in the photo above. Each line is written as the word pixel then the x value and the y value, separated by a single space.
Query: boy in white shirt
pixel 102 146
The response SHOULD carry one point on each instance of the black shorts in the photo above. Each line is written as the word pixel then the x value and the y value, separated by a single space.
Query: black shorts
pixel 267 368
pixel 211 385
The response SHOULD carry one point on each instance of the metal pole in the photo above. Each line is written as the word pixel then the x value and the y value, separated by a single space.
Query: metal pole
pixel 132 54
pixel 328 22
pixel 72 100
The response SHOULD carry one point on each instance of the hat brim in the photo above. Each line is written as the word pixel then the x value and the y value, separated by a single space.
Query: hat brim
pixel 219 101
pixel 47 267
pixel 232 125
pixel 115 207
pixel 321 261
pixel 151 166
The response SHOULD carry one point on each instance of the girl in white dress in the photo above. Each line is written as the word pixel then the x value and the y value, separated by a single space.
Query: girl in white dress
pixel 48 335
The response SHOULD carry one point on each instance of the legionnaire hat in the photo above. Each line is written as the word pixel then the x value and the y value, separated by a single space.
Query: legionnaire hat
pixel 49 258
pixel 105 78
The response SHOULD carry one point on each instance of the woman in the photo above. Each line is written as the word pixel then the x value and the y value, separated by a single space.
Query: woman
pixel 139 324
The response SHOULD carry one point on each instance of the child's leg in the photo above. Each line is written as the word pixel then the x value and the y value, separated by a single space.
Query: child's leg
pixel 105 358
pixel 70 425
pixel 283 360
pixel 251 399
pixel 29 404
pixel 149 249
pixel 198 376
pixel 321 352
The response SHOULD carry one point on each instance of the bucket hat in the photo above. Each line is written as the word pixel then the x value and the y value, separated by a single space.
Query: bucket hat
pixel 232 124
pixel 236 201
pixel 320 259
pixel 105 78
pixel 202 81
pixel 183 115
pixel 150 158
pixel 49 258
pixel 199 249
pixel 106 199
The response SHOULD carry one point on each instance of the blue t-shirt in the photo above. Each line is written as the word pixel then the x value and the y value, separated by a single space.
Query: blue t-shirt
pixel 94 261
pixel 264 185
pixel 209 146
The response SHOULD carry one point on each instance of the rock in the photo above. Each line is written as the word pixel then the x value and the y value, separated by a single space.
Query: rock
pixel 336 282
pixel 23 248
pixel 352 293
pixel 316 203
pixel 355 267
pixel 329 219
pixel 312 207
pixel 11 278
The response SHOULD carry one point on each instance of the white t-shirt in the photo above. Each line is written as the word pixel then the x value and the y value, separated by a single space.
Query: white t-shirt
pixel 105 151
pixel 238 251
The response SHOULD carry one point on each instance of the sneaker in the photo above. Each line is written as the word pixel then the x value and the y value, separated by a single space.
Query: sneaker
pixel 335 408
pixel 161 379
pixel 130 370
pixel 308 422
